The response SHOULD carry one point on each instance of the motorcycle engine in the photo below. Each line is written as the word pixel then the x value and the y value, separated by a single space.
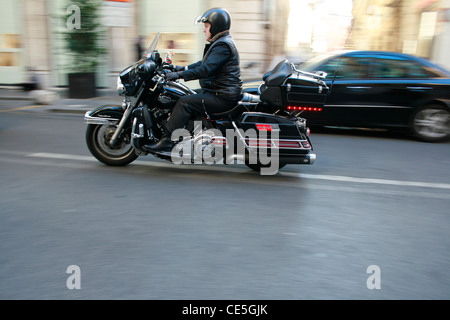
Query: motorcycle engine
pixel 166 101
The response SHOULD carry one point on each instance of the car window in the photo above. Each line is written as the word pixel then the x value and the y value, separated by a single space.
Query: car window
pixel 393 67
pixel 309 65
pixel 347 68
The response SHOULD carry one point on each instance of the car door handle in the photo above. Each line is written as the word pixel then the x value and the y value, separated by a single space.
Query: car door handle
pixel 419 88
pixel 358 88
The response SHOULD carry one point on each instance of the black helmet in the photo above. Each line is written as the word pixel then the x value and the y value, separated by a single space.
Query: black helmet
pixel 219 19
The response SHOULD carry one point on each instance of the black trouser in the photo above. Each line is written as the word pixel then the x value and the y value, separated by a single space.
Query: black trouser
pixel 195 105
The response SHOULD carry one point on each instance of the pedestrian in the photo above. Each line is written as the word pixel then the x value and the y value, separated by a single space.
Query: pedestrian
pixel 33 82
pixel 139 48
pixel 218 72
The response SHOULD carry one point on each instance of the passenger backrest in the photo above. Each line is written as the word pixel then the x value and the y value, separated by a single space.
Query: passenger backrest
pixel 277 75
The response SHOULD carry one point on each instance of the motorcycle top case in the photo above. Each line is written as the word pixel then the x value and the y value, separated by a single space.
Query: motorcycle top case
pixel 303 91
pixel 284 87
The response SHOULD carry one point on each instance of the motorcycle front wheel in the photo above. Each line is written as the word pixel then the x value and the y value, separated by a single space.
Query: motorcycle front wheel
pixel 98 139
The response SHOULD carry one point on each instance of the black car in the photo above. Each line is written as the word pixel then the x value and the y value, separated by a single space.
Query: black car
pixel 375 89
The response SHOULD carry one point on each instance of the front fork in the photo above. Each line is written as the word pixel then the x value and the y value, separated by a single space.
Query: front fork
pixel 134 101
pixel 121 124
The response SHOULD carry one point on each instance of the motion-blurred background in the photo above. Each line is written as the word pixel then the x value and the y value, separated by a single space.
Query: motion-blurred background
pixel 32 32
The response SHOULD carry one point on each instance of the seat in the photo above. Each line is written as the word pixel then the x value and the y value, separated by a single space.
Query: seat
pixel 248 102
pixel 230 114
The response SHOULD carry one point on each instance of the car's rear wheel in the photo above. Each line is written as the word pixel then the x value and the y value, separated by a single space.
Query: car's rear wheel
pixel 431 123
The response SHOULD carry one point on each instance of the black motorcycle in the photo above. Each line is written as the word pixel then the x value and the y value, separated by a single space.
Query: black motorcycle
pixel 263 131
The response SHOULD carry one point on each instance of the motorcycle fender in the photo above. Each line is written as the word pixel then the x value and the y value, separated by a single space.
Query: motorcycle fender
pixel 109 114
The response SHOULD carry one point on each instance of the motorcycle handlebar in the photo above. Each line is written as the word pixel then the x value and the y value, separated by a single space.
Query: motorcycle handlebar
pixel 157 79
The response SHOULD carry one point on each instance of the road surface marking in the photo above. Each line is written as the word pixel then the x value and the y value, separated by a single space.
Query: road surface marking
pixel 61 156
pixel 401 183
pixel 23 108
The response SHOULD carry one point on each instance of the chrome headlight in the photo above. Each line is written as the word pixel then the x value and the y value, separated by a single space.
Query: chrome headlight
pixel 120 87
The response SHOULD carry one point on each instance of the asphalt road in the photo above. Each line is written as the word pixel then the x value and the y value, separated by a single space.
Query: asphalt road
pixel 369 220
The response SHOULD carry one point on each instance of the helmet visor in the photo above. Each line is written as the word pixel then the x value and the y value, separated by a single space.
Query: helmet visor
pixel 201 19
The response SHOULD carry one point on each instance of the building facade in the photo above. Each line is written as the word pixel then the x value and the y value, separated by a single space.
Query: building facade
pixel 31 35
pixel 417 27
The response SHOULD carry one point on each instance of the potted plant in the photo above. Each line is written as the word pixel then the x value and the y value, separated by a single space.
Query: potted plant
pixel 83 42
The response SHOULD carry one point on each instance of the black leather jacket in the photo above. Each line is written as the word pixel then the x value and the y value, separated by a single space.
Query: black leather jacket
pixel 219 71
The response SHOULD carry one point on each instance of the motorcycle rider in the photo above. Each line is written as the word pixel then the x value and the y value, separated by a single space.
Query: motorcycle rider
pixel 218 73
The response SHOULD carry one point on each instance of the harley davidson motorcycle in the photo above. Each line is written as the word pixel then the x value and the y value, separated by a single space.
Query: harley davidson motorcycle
pixel 263 131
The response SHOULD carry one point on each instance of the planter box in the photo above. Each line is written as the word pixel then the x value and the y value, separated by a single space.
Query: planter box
pixel 82 85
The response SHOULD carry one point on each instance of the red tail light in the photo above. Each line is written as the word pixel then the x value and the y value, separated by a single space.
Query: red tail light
pixel 263 127
pixel 317 109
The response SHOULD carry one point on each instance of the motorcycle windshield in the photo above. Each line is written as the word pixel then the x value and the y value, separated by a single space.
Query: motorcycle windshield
pixel 130 77
pixel 147 54
pixel 151 48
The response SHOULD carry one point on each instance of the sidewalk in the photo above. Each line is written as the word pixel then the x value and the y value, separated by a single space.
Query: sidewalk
pixel 56 100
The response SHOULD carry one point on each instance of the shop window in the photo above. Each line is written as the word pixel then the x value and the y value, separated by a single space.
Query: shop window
pixel 9 50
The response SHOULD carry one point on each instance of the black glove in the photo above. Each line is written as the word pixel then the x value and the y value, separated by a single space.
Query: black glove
pixel 172 76
pixel 171 67
pixel 168 66
pixel 179 68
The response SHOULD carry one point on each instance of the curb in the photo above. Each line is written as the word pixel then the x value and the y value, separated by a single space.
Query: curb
pixel 44 97
pixel 56 101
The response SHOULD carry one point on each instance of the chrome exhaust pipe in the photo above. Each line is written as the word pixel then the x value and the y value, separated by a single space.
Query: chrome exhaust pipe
pixel 310 158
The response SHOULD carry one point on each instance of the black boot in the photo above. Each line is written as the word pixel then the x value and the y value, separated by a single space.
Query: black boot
pixel 165 143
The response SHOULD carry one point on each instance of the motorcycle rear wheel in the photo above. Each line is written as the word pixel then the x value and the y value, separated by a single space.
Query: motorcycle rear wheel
pixel 258 166
pixel 98 141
